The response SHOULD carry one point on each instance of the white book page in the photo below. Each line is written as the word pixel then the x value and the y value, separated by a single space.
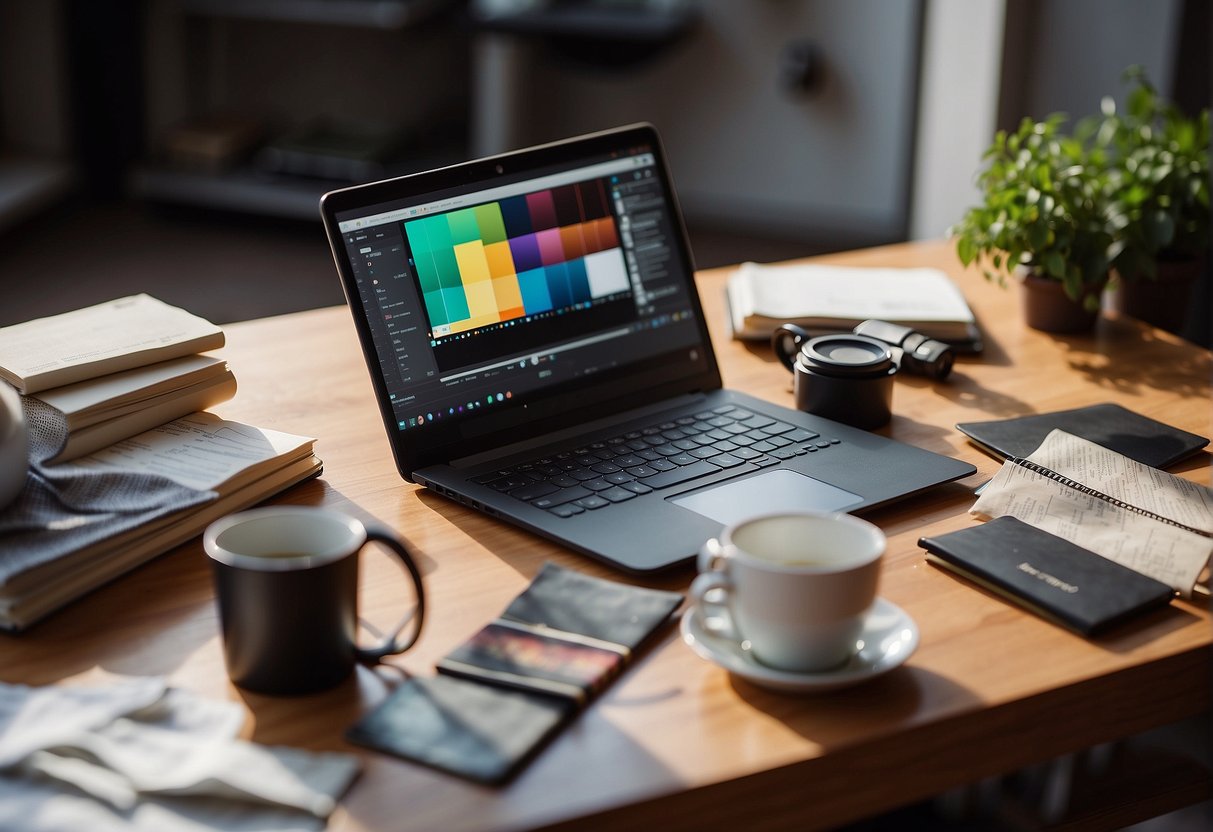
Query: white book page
pixel 849 292
pixel 117 335
pixel 145 415
pixel 132 386
pixel 200 451
pixel 1166 553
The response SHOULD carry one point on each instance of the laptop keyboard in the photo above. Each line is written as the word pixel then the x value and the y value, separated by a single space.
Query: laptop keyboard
pixel 621 468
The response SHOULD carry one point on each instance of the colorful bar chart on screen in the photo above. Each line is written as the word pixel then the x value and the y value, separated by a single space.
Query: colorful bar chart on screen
pixel 519 256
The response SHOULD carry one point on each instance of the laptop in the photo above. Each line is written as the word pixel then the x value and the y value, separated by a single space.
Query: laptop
pixel 539 353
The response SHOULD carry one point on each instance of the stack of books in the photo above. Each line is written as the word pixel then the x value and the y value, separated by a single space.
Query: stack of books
pixel 116 369
pixel 117 388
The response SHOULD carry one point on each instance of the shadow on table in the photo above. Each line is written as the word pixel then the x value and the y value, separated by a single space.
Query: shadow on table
pixel 1172 368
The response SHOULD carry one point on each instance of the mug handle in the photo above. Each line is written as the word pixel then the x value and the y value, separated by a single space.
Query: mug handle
pixel 393 644
pixel 786 341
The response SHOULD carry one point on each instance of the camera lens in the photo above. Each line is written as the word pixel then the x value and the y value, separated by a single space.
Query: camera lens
pixel 847 356
pixel 847 378
pixel 926 356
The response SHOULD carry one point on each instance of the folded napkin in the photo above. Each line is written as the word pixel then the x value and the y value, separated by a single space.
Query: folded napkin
pixel 137 755
pixel 64 508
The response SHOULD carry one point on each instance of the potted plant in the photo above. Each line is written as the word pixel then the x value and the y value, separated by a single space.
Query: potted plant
pixel 1159 211
pixel 1042 220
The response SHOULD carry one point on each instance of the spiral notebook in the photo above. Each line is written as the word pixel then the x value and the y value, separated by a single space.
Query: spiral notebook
pixel 1153 522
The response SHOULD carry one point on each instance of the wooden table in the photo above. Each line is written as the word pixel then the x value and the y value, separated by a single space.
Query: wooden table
pixel 676 742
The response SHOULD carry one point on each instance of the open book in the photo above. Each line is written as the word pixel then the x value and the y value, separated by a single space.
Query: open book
pixel 222 466
pixel 833 298
pixel 1149 520
pixel 97 340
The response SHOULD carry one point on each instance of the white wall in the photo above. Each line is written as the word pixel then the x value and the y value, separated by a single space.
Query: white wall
pixel 958 108
pixel 1078 50
pixel 746 154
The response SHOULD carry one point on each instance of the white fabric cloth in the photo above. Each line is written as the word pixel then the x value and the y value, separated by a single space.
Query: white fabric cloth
pixel 138 755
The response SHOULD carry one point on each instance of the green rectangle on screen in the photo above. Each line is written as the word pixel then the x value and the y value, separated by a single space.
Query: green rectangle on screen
pixel 445 271
pixel 448 269
pixel 423 253
pixel 435 308
pixel 492 227
pixel 463 226
pixel 418 232
pixel 456 303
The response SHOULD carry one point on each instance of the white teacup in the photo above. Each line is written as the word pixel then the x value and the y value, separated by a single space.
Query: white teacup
pixel 795 586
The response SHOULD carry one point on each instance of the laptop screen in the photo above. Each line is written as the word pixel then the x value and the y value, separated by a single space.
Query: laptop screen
pixel 495 293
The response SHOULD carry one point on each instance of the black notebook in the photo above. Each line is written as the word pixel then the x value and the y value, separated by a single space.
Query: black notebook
pixel 1049 576
pixel 1138 437
pixel 506 690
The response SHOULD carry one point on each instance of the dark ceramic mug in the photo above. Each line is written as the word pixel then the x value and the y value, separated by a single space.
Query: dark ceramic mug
pixel 286 581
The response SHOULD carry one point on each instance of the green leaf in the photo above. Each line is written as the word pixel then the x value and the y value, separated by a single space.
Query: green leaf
pixel 966 250
pixel 1053 264
pixel 1038 235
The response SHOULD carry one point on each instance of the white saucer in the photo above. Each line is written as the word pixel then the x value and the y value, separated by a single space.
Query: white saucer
pixel 888 638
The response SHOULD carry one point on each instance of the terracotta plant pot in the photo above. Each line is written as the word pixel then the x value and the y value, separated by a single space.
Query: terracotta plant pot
pixel 1164 301
pixel 1047 307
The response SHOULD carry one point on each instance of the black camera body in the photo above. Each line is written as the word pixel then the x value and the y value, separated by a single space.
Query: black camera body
pixel 918 354
pixel 848 376
pixel 911 351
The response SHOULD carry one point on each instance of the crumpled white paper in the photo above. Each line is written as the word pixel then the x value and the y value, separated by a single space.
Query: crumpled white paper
pixel 137 755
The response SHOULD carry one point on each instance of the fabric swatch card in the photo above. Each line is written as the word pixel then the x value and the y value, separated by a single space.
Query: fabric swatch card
pixel 507 689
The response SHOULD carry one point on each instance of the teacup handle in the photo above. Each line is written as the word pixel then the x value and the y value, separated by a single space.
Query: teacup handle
pixel 393 644
pixel 712 576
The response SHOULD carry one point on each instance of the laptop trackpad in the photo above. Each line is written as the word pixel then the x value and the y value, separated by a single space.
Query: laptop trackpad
pixel 768 493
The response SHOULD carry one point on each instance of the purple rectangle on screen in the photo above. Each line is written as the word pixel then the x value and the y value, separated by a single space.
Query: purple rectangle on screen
pixel 526 252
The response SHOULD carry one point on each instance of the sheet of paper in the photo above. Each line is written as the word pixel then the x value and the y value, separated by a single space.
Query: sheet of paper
pixel 200 451
pixel 106 338
pixel 1167 553
pixel 1127 480
pixel 850 292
